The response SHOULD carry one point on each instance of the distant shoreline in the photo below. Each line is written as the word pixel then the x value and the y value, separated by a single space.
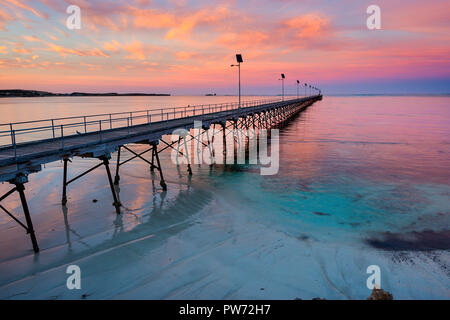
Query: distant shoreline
pixel 19 93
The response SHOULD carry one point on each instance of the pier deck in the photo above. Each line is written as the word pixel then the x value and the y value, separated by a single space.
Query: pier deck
pixel 98 136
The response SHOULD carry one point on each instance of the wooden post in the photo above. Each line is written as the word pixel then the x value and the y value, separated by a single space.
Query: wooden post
pixel 64 194
pixel 20 188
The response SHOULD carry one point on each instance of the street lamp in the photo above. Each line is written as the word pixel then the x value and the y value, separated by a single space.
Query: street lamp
pixel 282 86
pixel 239 61
pixel 305 88
pixel 298 83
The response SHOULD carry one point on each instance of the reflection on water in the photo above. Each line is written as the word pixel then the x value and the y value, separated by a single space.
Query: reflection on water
pixel 362 181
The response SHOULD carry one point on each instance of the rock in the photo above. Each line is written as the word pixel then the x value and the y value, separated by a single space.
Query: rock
pixel 380 294
pixel 318 298
pixel 94 200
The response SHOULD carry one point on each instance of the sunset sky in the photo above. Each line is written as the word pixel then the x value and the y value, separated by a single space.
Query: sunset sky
pixel 186 46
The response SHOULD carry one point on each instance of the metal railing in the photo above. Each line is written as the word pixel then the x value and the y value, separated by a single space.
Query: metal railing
pixel 58 128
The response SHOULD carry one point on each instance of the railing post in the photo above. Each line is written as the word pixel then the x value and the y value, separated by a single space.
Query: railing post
pixel 53 129
pixel 13 138
pixel 148 119
pixel 62 138
pixel 100 126
pixel 128 125
pixel 85 129
pixel 11 133
pixel 131 116
pixel 110 121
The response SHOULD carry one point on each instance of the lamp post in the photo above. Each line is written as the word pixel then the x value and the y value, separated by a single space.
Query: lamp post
pixel 239 61
pixel 305 85
pixel 298 84
pixel 282 86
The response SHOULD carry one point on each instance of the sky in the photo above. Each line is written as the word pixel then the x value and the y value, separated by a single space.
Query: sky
pixel 187 47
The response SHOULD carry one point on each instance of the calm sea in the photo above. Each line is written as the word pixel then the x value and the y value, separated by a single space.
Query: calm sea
pixel 363 181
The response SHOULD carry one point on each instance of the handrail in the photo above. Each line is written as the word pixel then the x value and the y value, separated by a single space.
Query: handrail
pixel 137 111
pixel 107 121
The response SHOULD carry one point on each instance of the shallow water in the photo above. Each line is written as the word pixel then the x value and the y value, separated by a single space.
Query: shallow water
pixel 362 181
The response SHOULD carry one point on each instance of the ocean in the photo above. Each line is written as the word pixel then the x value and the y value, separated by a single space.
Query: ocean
pixel 363 181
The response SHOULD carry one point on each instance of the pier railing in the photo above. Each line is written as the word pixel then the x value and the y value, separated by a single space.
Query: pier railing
pixel 15 133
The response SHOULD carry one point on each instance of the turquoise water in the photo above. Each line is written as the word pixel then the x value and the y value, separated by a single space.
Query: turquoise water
pixel 362 181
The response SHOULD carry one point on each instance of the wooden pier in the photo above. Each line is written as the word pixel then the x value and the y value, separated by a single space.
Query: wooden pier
pixel 98 136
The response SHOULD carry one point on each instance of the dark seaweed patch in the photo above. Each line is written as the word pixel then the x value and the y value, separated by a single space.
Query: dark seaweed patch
pixel 321 213
pixel 426 240
pixel 303 237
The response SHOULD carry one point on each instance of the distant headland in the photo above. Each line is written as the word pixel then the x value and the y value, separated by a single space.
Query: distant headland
pixel 13 93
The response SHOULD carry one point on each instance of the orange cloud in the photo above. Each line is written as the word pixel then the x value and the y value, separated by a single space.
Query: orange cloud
pixel 135 51
pixel 152 19
pixel 113 46
pixel 307 26
pixel 31 38
pixel 184 55
pixel 179 23
pixel 28 8
pixel 4 19
pixel 22 50
pixel 202 17
pixel 245 39
pixel 66 51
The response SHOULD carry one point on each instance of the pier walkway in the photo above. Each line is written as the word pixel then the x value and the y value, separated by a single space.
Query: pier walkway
pixel 26 146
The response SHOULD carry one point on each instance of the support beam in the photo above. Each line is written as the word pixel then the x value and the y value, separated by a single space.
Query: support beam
pixel 19 181
pixel 155 155
pixel 117 177
pixel 116 202
pixel 187 156
pixel 20 188
pixel 64 193
pixel 104 162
